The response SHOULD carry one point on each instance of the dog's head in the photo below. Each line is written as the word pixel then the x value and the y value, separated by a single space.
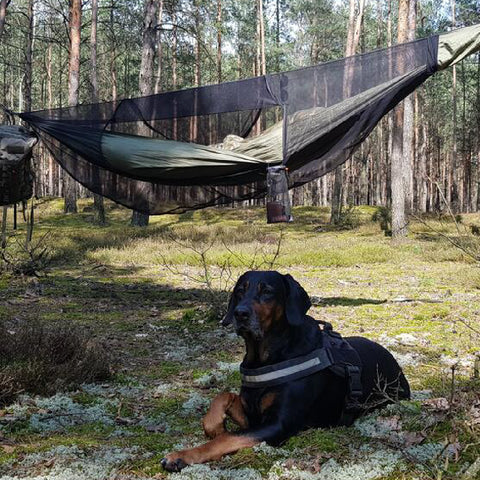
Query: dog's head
pixel 262 300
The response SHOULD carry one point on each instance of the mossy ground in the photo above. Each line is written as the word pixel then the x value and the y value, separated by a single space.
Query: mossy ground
pixel 138 291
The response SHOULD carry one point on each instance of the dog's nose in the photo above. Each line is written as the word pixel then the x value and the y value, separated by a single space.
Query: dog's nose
pixel 242 314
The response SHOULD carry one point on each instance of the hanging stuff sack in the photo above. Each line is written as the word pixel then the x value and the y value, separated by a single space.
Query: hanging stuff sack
pixel 16 177
pixel 278 198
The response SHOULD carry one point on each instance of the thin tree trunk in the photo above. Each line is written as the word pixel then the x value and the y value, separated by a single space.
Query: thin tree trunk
pixel 51 164
pixel 75 23
pixel 477 176
pixel 113 55
pixel 467 167
pixel 29 57
pixel 3 15
pixel 261 22
pixel 454 190
pixel 98 204
pixel 158 80
pixel 355 21
pixel 3 243
pixel 174 63
pixel 145 79
pixel 422 158
pixel 377 166
pixel 197 71
pixel 261 66
pixel 398 163
pixel 219 41
pixel 409 119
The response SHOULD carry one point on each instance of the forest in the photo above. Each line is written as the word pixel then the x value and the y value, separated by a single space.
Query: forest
pixel 120 336
pixel 127 49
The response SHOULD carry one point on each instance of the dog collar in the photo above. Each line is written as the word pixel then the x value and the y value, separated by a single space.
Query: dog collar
pixel 287 370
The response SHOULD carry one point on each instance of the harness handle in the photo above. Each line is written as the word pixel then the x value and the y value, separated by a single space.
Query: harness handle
pixel 327 326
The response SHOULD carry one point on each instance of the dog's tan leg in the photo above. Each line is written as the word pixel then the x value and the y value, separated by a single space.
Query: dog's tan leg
pixel 212 450
pixel 224 404
pixel 236 412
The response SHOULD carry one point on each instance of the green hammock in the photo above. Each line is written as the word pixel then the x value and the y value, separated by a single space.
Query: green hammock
pixel 328 110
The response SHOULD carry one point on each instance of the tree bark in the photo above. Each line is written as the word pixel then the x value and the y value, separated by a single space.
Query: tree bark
pixel 27 92
pixel 409 119
pixel 197 71
pixel 422 158
pixel 75 23
pixel 158 80
pixel 145 78
pixel 261 66
pixel 219 41
pixel 355 21
pixel 454 190
pixel 398 161
pixel 174 63
pixel 51 163
pixel 3 15
pixel 113 55
pixel 98 203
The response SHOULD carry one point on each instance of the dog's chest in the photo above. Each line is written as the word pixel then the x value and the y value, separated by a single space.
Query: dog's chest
pixel 257 403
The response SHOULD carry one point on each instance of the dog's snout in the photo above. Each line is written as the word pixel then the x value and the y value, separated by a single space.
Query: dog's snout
pixel 242 314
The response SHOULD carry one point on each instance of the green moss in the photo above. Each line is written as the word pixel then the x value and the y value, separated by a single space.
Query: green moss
pixel 86 431
pixel 320 440
pixel 165 406
pixel 7 456
pixel 262 462
pixel 232 381
pixel 84 398
pixel 163 370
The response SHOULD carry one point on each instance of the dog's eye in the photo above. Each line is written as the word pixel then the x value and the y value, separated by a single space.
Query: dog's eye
pixel 267 291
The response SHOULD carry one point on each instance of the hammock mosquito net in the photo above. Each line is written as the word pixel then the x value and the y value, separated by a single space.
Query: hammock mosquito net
pixel 213 145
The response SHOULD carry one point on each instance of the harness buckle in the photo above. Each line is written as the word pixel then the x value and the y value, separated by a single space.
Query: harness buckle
pixel 354 381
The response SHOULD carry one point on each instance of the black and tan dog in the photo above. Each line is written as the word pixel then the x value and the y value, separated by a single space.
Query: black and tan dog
pixel 295 375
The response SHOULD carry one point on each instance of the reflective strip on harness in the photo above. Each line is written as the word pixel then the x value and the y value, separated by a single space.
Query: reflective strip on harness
pixel 287 370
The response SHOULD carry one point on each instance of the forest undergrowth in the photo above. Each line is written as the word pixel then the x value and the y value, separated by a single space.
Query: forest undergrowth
pixel 149 301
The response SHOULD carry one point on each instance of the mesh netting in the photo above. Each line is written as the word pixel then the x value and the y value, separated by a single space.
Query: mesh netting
pixel 215 143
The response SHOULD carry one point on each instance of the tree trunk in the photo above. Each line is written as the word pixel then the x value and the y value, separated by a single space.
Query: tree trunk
pixel 158 80
pixel 398 161
pixel 467 166
pixel 51 163
pixel 174 63
pixel 261 66
pixel 409 120
pixel 75 23
pixel 197 71
pixel 261 23
pixel 3 15
pixel 355 21
pixel 113 54
pixel 219 41
pixel 27 92
pixel 422 158
pixel 145 79
pixel 454 190
pixel 98 204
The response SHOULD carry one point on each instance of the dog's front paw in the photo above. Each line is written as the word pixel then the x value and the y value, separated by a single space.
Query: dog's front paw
pixel 173 462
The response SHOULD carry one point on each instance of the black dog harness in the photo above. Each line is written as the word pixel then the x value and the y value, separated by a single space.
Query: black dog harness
pixel 336 354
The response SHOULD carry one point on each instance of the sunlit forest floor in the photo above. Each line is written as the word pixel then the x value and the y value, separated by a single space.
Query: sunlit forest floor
pixel 141 292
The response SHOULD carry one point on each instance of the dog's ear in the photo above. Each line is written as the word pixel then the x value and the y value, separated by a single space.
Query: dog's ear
pixel 297 302
pixel 228 318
